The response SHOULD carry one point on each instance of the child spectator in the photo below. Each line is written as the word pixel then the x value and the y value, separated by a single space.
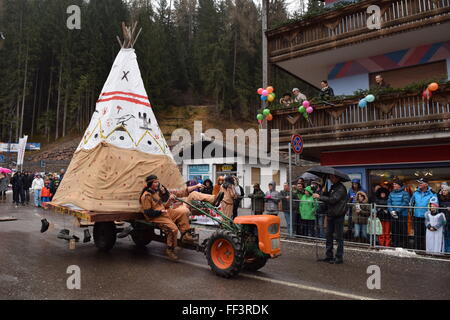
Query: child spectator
pixel 308 206
pixel 444 203
pixel 384 216
pixel 45 192
pixel 360 213
pixel 434 222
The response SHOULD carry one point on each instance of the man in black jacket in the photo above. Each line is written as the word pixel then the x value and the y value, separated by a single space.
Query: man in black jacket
pixel 336 200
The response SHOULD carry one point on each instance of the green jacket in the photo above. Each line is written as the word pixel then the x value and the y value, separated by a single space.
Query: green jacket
pixel 308 205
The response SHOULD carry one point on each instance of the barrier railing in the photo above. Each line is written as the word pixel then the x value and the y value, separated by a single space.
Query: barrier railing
pixel 371 225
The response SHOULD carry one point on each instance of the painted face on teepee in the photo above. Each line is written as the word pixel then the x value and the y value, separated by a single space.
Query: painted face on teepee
pixel 123 116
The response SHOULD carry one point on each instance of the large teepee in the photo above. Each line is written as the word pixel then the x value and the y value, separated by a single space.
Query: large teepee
pixel 122 145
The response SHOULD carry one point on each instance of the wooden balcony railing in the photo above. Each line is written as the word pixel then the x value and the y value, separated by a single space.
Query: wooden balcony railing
pixel 349 25
pixel 389 115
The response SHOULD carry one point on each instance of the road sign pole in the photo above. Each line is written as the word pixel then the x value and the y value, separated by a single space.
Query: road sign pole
pixel 290 190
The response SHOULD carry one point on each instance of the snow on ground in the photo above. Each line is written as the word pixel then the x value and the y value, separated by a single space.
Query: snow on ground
pixel 399 252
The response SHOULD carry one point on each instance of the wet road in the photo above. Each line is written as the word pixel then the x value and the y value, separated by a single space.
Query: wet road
pixel 34 265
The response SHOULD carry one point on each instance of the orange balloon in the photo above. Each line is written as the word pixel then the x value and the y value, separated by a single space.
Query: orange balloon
pixel 270 89
pixel 433 86
pixel 269 117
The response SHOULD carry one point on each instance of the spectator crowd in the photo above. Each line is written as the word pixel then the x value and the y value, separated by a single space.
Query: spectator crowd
pixel 24 184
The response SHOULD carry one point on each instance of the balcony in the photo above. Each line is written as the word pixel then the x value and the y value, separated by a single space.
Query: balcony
pixel 303 48
pixel 393 119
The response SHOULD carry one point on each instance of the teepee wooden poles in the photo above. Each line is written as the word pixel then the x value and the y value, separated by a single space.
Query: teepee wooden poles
pixel 129 35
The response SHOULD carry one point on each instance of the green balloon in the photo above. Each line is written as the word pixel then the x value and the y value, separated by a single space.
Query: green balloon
pixel 273 95
pixel 260 116
pixel 266 112
pixel 302 109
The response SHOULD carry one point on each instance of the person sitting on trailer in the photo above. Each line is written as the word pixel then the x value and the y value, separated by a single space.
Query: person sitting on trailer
pixel 157 206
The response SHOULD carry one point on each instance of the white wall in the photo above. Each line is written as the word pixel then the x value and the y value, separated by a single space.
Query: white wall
pixel 348 85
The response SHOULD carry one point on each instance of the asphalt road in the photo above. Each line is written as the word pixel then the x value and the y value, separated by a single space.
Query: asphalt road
pixel 34 266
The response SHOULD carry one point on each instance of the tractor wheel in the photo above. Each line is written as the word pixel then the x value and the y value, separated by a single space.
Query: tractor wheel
pixel 142 237
pixel 225 254
pixel 255 262
pixel 104 235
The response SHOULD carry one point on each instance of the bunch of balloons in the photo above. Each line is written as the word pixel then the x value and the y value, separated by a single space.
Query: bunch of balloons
pixel 267 94
pixel 265 114
pixel 431 88
pixel 363 102
pixel 306 109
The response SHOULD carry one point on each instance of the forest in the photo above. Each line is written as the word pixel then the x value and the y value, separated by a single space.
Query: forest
pixel 190 52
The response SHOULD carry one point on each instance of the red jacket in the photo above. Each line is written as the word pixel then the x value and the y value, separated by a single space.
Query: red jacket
pixel 45 192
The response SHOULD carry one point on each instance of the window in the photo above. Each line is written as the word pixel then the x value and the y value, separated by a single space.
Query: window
pixel 276 176
pixel 256 176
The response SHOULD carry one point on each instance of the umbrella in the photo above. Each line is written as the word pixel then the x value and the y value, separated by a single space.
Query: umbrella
pixel 325 171
pixel 4 170
pixel 307 177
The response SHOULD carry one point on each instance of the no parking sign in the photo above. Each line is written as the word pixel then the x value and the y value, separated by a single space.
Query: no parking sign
pixel 297 143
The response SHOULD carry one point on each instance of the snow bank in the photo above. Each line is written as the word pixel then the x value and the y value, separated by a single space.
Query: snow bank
pixel 399 252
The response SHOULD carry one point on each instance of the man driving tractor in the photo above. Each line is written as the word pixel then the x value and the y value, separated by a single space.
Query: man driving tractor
pixel 158 206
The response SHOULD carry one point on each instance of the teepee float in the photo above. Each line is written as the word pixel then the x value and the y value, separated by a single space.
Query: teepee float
pixel 122 145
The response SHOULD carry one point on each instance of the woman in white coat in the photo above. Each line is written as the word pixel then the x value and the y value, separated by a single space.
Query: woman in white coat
pixel 36 186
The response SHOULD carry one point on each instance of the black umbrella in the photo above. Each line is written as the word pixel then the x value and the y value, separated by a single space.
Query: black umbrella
pixel 326 171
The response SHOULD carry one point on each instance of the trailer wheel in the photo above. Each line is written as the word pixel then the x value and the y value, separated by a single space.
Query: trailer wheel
pixel 255 262
pixel 104 235
pixel 142 237
pixel 224 253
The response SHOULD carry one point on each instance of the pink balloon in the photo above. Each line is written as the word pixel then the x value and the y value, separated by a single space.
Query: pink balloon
pixel 309 110
pixel 265 93
pixel 306 104
pixel 260 90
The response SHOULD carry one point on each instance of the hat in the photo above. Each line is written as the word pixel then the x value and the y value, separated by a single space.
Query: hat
pixel 422 180
pixel 399 182
pixel 356 181
pixel 433 202
pixel 151 178
pixel 295 89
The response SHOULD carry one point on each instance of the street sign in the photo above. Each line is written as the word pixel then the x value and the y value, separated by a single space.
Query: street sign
pixel 297 143
pixel 42 164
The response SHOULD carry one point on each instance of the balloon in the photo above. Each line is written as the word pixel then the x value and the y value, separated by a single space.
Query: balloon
pixel 306 104
pixel 370 98
pixel 265 93
pixel 273 95
pixel 260 117
pixel 270 98
pixel 362 103
pixel 260 90
pixel 263 98
pixel 426 94
pixel 302 109
pixel 309 110
pixel 306 115
pixel 266 112
pixel 433 86
pixel 269 89
pixel 269 117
